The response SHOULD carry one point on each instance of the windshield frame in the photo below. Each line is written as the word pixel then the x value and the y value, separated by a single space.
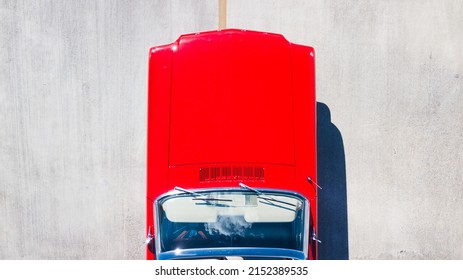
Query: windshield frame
pixel 204 191
pixel 253 253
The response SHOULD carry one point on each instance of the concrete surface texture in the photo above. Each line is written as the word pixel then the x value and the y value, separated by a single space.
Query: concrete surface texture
pixel 73 78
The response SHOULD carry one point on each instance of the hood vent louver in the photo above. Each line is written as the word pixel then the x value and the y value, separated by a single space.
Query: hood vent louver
pixel 231 173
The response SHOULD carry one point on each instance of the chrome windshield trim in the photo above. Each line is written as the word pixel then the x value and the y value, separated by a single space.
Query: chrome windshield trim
pixel 237 251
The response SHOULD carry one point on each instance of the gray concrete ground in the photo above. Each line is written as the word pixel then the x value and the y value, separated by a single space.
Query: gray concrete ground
pixel 73 78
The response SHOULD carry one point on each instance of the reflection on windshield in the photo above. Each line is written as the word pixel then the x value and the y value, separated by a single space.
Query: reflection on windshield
pixel 231 219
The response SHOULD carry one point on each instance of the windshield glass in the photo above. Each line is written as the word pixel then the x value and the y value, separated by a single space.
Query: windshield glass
pixel 232 218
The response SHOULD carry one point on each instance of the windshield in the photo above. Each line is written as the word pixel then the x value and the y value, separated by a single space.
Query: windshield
pixel 231 218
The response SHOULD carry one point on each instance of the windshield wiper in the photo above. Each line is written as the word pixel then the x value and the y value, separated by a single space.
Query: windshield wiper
pixel 267 198
pixel 202 197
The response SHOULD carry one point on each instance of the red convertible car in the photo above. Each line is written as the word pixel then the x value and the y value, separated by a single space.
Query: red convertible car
pixel 231 161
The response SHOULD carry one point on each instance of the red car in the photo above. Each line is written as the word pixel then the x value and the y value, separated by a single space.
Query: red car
pixel 231 168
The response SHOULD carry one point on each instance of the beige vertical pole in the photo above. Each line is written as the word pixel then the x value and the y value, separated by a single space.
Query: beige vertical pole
pixel 222 14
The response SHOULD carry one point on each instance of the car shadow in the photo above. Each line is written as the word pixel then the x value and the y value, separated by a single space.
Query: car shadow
pixel 332 198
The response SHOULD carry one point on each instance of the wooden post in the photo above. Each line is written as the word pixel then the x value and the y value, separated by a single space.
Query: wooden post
pixel 222 14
